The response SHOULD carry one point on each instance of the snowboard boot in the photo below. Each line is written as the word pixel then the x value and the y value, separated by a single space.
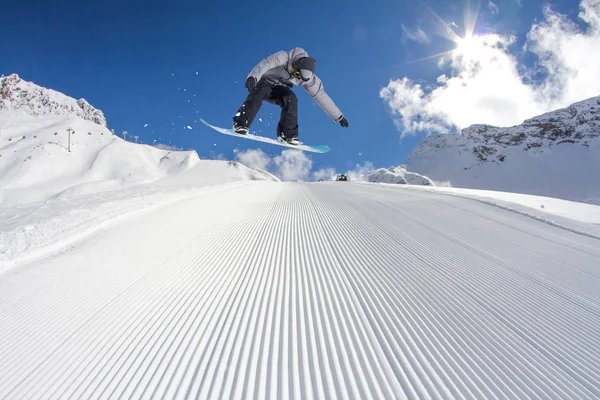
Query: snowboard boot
pixel 283 138
pixel 240 129
pixel 293 140
pixel 240 124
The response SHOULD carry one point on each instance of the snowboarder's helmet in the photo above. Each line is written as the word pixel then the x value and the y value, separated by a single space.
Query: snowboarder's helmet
pixel 306 67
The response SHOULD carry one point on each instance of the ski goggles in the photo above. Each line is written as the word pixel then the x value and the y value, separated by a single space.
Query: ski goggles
pixel 303 74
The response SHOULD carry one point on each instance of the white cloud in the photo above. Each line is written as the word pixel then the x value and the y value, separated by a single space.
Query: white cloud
pixel 292 165
pixel 416 35
pixel 324 173
pixel 295 165
pixel 360 170
pixel 253 158
pixel 569 55
pixel 488 85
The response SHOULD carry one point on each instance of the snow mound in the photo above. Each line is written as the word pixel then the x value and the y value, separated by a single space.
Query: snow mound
pixel 24 97
pixel 398 175
pixel 556 154
pixel 36 164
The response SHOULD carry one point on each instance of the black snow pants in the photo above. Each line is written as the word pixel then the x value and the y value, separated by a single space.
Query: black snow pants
pixel 282 96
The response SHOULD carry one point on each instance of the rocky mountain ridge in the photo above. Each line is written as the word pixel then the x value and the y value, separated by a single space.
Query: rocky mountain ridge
pixel 556 154
pixel 20 96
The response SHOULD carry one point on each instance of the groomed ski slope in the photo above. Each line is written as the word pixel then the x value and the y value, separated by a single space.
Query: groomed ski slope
pixel 322 290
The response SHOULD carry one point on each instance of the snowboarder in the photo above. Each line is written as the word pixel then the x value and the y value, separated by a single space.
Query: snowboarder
pixel 271 80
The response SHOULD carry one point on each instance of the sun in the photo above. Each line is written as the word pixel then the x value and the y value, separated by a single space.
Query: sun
pixel 467 46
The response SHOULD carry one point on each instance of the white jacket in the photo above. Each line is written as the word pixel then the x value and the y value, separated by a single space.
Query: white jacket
pixel 275 70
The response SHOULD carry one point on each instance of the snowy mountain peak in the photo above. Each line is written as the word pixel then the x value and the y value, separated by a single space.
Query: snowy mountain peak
pixel 19 96
pixel 555 154
pixel 577 123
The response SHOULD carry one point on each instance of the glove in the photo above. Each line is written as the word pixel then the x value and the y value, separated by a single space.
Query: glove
pixel 344 122
pixel 250 83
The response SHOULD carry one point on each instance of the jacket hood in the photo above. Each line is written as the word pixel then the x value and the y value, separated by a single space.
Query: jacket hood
pixel 296 54
pixel 306 63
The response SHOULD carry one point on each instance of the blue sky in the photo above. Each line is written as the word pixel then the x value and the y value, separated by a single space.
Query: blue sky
pixel 167 64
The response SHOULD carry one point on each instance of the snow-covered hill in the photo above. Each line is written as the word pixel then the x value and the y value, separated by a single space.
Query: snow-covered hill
pixel 36 164
pixel 556 154
pixel 398 175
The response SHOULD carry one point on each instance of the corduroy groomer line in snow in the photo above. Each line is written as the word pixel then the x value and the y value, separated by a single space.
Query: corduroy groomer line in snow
pixel 322 290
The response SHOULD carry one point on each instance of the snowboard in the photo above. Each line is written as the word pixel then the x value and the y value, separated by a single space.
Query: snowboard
pixel 303 147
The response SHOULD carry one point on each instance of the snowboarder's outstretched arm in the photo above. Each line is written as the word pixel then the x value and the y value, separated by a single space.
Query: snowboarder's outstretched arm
pixel 276 60
pixel 314 87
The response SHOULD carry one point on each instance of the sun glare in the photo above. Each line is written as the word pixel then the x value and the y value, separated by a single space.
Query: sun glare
pixel 467 46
